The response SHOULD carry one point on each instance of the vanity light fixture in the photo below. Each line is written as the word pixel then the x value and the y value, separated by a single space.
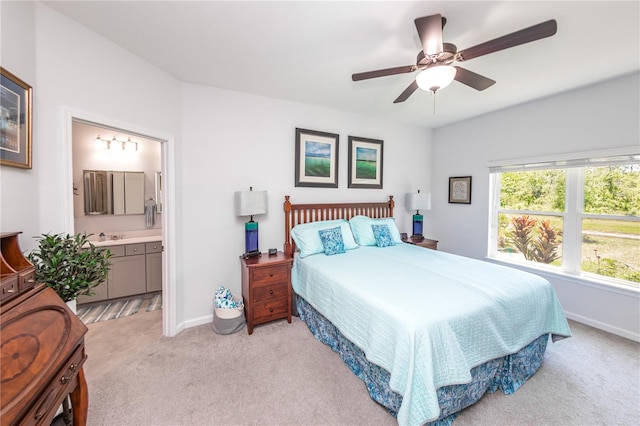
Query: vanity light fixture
pixel 115 144
pixel 101 143
pixel 417 202
pixel 250 203
pixel 129 145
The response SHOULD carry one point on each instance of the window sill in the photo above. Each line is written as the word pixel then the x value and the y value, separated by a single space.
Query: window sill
pixel 582 279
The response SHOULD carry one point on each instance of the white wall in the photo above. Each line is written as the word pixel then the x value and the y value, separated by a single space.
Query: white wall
pixel 232 141
pixel 71 67
pixel 596 117
pixel 19 198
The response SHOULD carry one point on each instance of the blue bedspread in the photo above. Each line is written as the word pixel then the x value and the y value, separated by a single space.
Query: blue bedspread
pixel 427 317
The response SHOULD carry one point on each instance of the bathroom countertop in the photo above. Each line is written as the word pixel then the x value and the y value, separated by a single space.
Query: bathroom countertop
pixel 128 240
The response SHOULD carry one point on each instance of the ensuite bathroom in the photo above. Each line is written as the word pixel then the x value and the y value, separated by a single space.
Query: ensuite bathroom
pixel 117 193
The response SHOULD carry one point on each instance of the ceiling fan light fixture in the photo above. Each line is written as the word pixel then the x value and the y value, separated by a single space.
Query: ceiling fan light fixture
pixel 436 78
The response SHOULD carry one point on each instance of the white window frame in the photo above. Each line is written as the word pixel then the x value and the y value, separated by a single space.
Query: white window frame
pixel 574 164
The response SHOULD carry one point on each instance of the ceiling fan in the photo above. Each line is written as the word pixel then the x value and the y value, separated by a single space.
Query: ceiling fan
pixel 436 57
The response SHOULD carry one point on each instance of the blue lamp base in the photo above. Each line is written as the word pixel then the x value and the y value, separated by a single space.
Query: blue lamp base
pixel 417 227
pixel 251 239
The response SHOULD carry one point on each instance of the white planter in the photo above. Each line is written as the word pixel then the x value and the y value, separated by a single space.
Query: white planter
pixel 72 305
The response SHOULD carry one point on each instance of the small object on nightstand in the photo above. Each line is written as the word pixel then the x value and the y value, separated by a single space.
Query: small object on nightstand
pixel 250 254
pixel 273 252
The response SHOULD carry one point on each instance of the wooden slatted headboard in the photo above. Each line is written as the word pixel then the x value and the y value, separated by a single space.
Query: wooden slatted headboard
pixel 295 214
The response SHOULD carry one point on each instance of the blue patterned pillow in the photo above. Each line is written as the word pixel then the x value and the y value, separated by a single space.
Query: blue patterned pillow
pixel 382 235
pixel 332 241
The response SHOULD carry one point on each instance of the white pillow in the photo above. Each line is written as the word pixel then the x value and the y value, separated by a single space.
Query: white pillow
pixel 307 236
pixel 363 232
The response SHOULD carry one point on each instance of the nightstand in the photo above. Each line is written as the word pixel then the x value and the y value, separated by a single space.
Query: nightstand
pixel 266 288
pixel 426 243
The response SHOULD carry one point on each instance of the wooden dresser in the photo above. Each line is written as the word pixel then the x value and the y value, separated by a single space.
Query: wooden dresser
pixel 41 346
pixel 266 288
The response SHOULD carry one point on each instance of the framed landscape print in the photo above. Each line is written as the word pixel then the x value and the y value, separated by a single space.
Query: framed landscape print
pixel 15 121
pixel 365 163
pixel 460 190
pixel 316 159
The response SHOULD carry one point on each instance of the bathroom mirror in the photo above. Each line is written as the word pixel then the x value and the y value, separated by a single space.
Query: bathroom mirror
pixel 113 192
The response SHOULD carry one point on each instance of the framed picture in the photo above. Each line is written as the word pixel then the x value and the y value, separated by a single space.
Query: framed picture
pixel 15 121
pixel 460 190
pixel 365 163
pixel 316 159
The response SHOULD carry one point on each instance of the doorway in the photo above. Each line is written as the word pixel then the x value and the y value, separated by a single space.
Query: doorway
pixel 116 130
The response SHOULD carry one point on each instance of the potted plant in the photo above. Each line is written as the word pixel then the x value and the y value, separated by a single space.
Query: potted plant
pixel 70 264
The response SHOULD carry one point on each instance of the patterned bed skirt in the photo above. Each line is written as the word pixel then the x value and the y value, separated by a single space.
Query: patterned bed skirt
pixel 507 373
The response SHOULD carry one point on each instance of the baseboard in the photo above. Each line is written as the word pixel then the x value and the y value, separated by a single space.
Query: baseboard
pixel 207 319
pixel 604 326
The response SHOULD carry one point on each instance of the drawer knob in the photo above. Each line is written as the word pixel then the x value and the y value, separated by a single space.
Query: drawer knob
pixel 271 292
pixel 135 249
pixel 271 310
pixel 270 274
pixel 73 368
pixel 64 379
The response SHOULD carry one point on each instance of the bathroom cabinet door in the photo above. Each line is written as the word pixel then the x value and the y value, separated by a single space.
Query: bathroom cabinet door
pixel 154 272
pixel 127 276
pixel 101 293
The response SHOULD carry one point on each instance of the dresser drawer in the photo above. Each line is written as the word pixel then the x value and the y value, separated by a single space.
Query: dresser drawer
pixel 27 279
pixel 154 247
pixel 133 249
pixel 52 396
pixel 270 310
pixel 270 274
pixel 116 251
pixel 9 286
pixel 270 292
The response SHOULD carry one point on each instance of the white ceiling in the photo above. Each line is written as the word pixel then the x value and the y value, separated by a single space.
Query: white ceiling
pixel 306 51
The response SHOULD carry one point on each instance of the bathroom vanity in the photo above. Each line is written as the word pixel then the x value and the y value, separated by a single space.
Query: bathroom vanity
pixel 136 268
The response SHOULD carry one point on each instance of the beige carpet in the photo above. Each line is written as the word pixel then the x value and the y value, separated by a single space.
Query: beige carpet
pixel 280 375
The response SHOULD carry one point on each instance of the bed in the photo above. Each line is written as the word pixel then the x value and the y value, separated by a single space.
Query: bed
pixel 428 332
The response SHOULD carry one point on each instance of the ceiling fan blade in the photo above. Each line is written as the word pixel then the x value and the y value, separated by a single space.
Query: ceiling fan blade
pixel 526 35
pixel 383 73
pixel 430 32
pixel 473 80
pixel 407 92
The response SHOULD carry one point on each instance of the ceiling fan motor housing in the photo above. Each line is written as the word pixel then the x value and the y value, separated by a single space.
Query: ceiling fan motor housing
pixel 445 57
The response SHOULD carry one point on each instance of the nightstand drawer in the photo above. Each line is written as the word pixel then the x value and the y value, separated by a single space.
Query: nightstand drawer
pixel 270 292
pixel 272 309
pixel 270 274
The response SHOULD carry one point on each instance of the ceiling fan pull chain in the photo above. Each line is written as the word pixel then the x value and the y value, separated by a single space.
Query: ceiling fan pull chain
pixel 434 102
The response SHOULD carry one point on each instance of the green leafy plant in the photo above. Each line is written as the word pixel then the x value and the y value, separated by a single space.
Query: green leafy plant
pixel 69 264
pixel 538 241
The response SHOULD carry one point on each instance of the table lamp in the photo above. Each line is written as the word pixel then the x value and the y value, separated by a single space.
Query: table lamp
pixel 417 201
pixel 250 203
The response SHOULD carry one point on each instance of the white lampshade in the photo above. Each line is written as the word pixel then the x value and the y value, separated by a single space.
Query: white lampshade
pixel 249 203
pixel 436 78
pixel 418 201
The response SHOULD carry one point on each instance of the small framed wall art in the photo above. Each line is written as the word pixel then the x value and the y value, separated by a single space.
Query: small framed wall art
pixel 365 163
pixel 316 159
pixel 15 121
pixel 460 190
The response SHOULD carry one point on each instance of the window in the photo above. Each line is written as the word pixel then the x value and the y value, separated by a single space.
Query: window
pixel 577 215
